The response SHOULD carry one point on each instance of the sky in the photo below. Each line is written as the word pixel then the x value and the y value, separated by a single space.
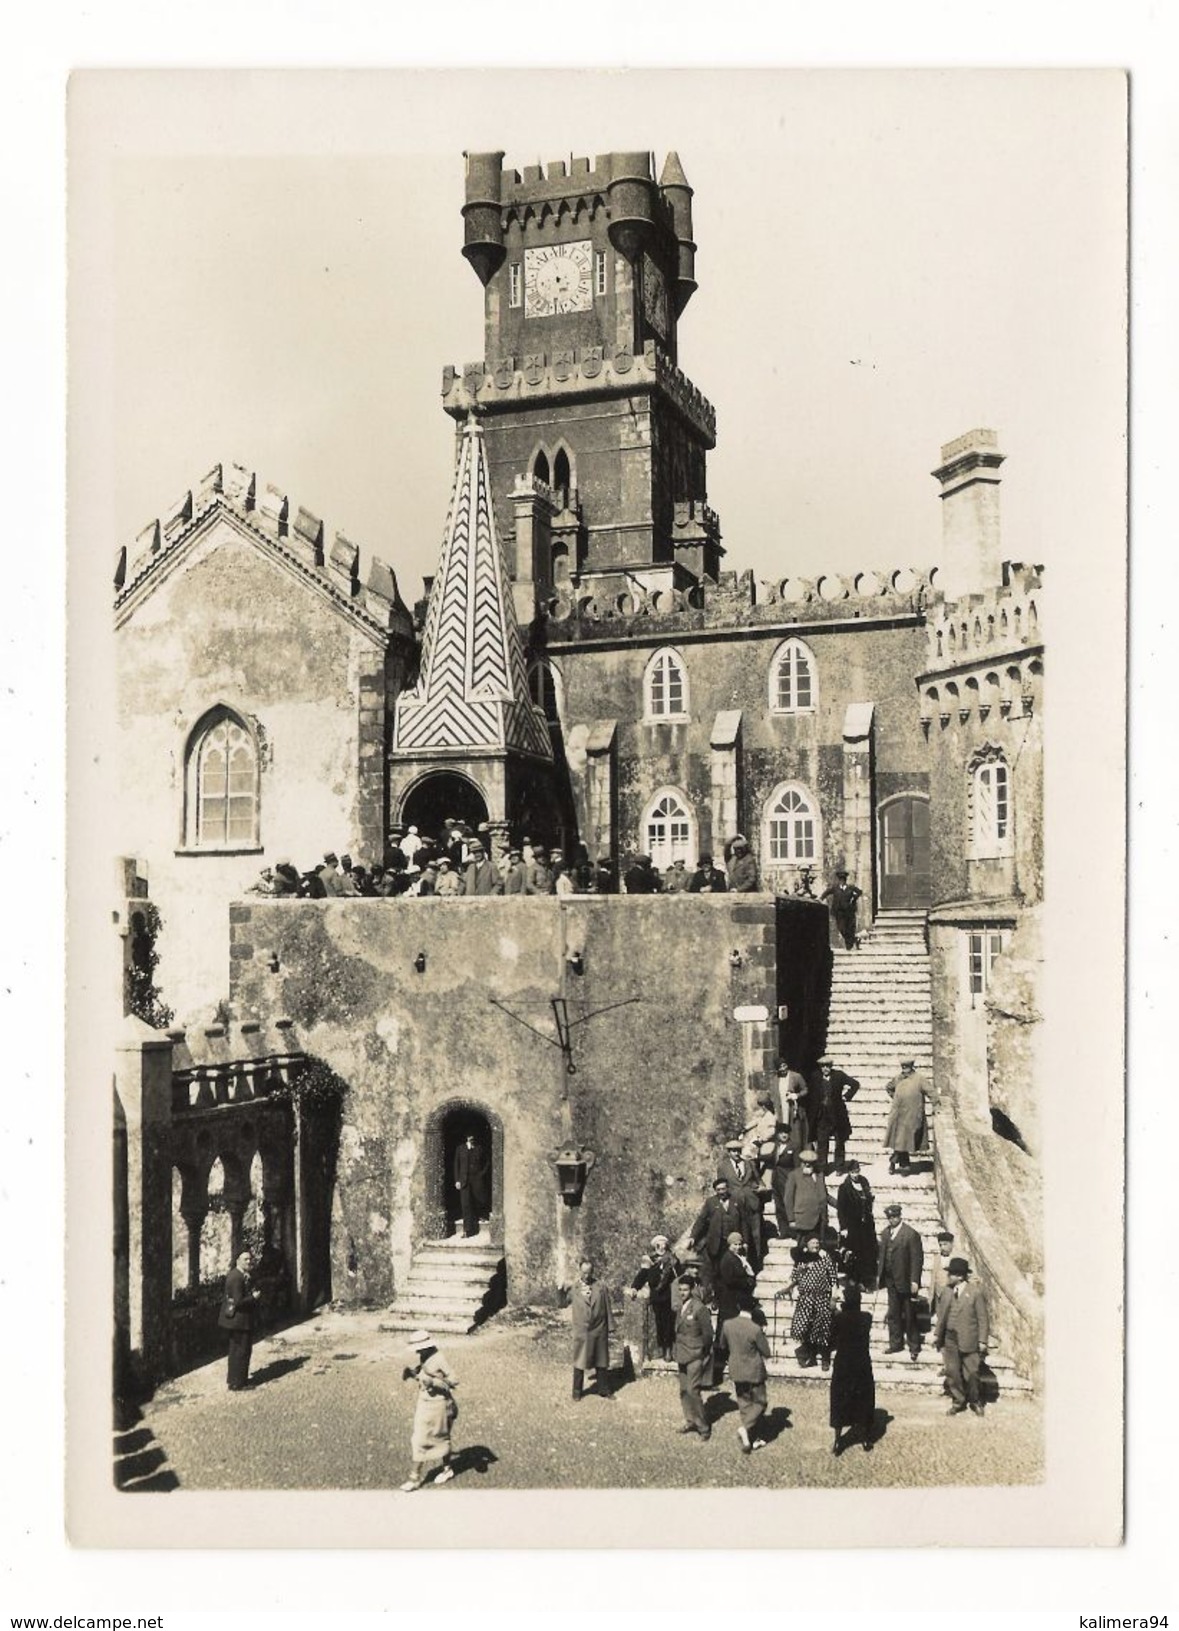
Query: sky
pixel 886 260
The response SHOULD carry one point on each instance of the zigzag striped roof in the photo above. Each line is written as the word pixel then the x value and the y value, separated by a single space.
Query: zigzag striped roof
pixel 472 692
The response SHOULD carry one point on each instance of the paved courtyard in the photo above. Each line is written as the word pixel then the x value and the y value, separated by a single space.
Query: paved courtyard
pixel 328 1410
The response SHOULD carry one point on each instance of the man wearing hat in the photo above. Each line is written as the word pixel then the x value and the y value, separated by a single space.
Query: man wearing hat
pixel 939 1273
pixel 804 1199
pixel 676 878
pixel 479 877
pixel 330 876
pixel 657 1275
pixel 434 1413
pixel 843 897
pixel 693 1351
pixel 639 878
pixel 539 878
pixel 738 1166
pixel 906 1133
pixel 962 1333
pixel 449 884
pixel 719 1217
pixel 899 1266
pixel 742 868
pixel 828 1091
pixel 514 873
pixel 707 879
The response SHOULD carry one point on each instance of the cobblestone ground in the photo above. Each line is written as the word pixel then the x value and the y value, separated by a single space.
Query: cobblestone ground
pixel 328 1410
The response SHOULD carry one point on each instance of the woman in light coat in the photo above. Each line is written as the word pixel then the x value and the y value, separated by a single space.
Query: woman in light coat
pixel 434 1414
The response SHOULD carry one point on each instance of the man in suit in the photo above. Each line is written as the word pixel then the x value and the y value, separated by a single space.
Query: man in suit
pixel 237 1317
pixel 899 1273
pixel 591 1332
pixel 843 897
pixel 716 1220
pixel 514 874
pixel 962 1333
pixel 804 1199
pixel 748 1352
pixel 479 876
pixel 828 1091
pixel 470 1179
pixel 693 1352
pixel 738 1166
pixel 707 879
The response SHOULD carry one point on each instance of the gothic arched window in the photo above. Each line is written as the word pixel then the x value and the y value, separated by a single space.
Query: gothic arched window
pixel 794 679
pixel 665 687
pixel 990 805
pixel 540 467
pixel 669 830
pixel 562 478
pixel 222 784
pixel 791 827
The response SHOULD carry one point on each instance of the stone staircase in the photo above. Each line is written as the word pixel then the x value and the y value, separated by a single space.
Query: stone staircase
pixel 452 1286
pixel 880 1014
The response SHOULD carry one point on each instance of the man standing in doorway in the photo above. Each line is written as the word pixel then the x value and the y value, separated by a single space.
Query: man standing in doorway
pixel 470 1179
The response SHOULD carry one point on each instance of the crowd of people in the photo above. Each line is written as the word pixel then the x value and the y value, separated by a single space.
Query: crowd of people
pixel 461 861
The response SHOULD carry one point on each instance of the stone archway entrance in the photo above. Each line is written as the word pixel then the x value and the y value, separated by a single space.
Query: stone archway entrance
pixel 437 797
pixel 447 1132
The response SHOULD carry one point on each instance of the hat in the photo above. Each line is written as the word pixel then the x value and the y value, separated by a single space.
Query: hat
pixel 851 1166
pixel 660 1240
pixel 842 872
pixel 413 830
pixel 705 860
pixel 781 1126
pixel 825 1059
pixel 689 1277
pixel 284 862
pixel 736 1238
pixel 958 1266
pixel 740 843
pixel 331 856
pixel 908 1064
pixel 732 1143
pixel 944 1234
pixel 432 866
pixel 892 1211
pixel 419 1339
pixel 807 1155
pixel 444 861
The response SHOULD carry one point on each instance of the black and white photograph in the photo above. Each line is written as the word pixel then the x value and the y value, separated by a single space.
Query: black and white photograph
pixel 582 831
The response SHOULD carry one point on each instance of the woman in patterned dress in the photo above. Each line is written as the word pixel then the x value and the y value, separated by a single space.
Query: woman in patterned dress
pixel 813 1282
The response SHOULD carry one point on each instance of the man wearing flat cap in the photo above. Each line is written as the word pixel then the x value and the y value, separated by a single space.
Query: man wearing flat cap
pixel 719 1217
pixel 804 1199
pixel 899 1267
pixel 962 1333
pixel 738 1167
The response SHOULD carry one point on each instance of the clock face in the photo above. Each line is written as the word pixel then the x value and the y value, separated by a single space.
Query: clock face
pixel 654 297
pixel 558 279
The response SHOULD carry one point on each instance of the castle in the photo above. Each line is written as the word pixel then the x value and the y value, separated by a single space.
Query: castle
pixel 583 669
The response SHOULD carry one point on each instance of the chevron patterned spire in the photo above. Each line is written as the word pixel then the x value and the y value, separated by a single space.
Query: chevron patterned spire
pixel 472 692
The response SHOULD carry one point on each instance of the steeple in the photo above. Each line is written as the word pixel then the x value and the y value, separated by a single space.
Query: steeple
pixel 472 693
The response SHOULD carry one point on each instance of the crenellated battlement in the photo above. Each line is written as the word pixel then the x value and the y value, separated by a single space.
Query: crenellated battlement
pixel 568 373
pixel 977 626
pixel 741 600
pixel 267 512
pixel 985 651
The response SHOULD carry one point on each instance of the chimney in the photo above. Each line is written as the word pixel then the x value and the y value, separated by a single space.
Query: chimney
pixel 971 547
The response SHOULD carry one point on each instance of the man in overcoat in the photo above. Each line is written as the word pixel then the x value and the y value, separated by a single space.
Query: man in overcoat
pixel 591 1332
pixel 716 1220
pixel 899 1268
pixel 804 1199
pixel 479 876
pixel 470 1179
pixel 237 1317
pixel 962 1333
pixel 693 1354
pixel 906 1132
pixel 748 1352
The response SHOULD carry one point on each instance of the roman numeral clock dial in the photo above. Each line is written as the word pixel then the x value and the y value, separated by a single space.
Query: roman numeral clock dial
pixel 558 279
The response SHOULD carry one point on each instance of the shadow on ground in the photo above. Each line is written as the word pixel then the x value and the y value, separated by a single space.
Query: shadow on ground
pixel 141 1465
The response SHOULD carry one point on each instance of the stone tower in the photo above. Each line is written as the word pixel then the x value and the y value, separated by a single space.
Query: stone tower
pixel 586 272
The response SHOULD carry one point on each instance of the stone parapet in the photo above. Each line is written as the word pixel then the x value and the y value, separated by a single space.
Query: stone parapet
pixel 233 490
pixel 570 372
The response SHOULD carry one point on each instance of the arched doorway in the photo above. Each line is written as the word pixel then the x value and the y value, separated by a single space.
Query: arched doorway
pixel 904 853
pixel 447 1131
pixel 467 1209
pixel 436 798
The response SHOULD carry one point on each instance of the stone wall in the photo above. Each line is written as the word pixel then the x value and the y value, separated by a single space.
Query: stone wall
pixel 659 1069
pixel 231 627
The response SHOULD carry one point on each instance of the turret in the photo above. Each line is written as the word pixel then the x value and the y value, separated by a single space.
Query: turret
pixel 482 219
pixel 629 195
pixel 673 184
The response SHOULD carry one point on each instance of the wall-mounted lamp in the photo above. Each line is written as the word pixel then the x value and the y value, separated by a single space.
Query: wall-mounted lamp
pixel 735 959
pixel 576 962
pixel 573 1168
pixel 419 962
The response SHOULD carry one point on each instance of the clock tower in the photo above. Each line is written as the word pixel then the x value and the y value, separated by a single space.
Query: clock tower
pixel 596 441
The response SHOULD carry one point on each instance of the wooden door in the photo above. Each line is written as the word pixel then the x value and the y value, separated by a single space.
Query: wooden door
pixel 904 854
